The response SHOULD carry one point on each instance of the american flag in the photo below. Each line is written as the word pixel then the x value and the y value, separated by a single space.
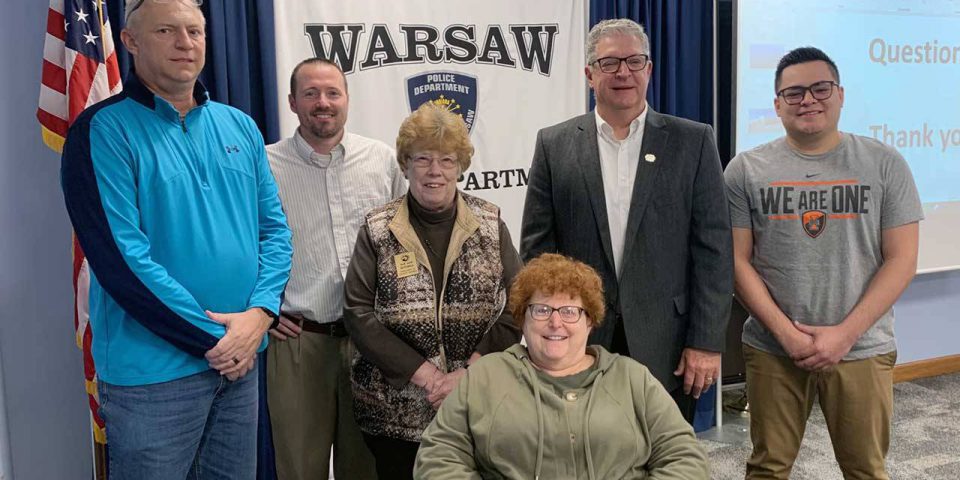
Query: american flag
pixel 79 69
pixel 79 65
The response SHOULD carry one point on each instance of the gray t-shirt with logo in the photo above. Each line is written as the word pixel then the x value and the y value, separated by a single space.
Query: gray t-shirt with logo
pixel 817 223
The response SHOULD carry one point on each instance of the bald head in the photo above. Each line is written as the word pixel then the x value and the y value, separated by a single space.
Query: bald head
pixel 135 9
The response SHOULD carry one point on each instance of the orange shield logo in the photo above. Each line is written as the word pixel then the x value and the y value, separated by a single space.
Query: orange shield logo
pixel 814 222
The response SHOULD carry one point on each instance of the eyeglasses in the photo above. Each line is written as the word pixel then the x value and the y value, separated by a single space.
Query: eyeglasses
pixel 139 3
pixel 635 63
pixel 819 91
pixel 568 313
pixel 447 162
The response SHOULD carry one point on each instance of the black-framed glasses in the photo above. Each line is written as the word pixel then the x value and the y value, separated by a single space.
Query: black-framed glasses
pixel 568 313
pixel 819 91
pixel 635 63
pixel 139 3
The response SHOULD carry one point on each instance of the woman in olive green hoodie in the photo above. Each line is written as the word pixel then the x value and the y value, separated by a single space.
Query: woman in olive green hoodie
pixel 557 408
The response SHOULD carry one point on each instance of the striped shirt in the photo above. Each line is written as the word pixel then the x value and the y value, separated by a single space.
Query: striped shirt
pixel 325 198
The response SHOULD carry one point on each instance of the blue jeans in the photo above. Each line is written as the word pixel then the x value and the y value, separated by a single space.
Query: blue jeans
pixel 198 427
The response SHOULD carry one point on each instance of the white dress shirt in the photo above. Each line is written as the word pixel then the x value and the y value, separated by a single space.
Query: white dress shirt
pixel 325 198
pixel 618 165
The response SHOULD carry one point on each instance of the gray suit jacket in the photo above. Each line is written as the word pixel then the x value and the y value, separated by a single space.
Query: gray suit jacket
pixel 676 283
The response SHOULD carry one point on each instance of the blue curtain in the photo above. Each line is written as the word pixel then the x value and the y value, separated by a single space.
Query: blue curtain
pixel 681 48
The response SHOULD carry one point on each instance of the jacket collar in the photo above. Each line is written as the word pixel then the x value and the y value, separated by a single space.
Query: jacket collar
pixel 588 155
pixel 652 154
pixel 604 358
pixel 134 88
pixel 464 226
pixel 307 152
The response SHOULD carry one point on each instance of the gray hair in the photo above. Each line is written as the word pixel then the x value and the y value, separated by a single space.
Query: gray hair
pixel 617 26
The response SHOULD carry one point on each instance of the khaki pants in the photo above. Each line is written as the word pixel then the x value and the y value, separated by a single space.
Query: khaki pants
pixel 311 408
pixel 856 398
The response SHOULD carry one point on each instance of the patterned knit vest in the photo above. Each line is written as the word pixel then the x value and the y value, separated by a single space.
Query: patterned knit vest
pixel 473 297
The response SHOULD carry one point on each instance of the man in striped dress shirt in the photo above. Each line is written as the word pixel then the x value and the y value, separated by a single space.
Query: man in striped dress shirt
pixel 328 179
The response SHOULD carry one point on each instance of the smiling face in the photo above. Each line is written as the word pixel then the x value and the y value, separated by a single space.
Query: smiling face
pixel 623 92
pixel 811 118
pixel 168 44
pixel 556 347
pixel 320 102
pixel 433 178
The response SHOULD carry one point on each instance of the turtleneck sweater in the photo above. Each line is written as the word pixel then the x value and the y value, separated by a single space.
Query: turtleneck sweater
pixel 434 229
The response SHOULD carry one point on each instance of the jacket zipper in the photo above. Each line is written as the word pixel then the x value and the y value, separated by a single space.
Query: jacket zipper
pixel 201 166
pixel 443 353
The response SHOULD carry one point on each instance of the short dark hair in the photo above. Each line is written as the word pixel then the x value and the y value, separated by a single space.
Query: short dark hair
pixel 314 61
pixel 804 55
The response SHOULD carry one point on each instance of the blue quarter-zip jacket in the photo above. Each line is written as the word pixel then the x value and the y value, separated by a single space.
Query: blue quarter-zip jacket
pixel 175 217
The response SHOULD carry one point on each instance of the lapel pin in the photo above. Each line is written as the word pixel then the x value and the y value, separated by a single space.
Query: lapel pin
pixel 650 157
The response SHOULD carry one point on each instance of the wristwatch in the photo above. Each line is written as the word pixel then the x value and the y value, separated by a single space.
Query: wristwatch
pixel 273 316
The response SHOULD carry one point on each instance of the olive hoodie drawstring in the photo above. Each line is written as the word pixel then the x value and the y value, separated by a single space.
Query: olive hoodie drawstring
pixel 536 394
pixel 586 425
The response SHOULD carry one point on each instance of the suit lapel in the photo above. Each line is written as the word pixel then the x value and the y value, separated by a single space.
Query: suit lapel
pixel 588 155
pixel 654 143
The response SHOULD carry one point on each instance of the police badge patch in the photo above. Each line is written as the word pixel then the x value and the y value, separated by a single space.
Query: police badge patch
pixel 455 91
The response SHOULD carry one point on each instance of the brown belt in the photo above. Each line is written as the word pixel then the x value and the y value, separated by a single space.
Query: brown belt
pixel 334 328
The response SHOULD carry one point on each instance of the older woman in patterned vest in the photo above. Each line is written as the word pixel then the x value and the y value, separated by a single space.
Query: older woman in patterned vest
pixel 425 290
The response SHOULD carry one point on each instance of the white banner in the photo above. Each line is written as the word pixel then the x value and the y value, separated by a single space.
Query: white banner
pixel 509 68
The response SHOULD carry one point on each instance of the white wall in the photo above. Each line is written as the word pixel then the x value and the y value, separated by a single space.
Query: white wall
pixel 928 316
pixel 42 377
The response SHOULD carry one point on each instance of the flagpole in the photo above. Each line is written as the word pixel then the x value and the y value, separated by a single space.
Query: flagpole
pixel 103 30
pixel 97 449
pixel 93 448
pixel 6 469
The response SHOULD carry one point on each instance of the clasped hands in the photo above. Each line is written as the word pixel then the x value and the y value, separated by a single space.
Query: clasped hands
pixel 436 383
pixel 817 348
pixel 236 353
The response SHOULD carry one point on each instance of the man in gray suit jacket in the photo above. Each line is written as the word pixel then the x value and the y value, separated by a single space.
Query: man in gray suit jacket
pixel 639 196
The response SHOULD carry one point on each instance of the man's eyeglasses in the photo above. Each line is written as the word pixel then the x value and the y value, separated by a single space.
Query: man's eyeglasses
pixel 424 161
pixel 635 63
pixel 568 313
pixel 819 91
pixel 139 3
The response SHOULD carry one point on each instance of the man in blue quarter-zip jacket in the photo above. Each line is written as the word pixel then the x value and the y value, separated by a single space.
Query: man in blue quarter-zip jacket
pixel 173 202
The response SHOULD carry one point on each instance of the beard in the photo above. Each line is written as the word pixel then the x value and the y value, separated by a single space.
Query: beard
pixel 326 129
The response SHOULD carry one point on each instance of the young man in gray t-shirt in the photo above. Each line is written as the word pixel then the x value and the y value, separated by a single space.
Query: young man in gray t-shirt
pixel 825 230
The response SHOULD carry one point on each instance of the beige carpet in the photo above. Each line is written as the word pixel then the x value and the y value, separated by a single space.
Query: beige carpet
pixel 925 443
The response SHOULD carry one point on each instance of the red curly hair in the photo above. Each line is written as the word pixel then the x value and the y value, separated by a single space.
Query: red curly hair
pixel 550 274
